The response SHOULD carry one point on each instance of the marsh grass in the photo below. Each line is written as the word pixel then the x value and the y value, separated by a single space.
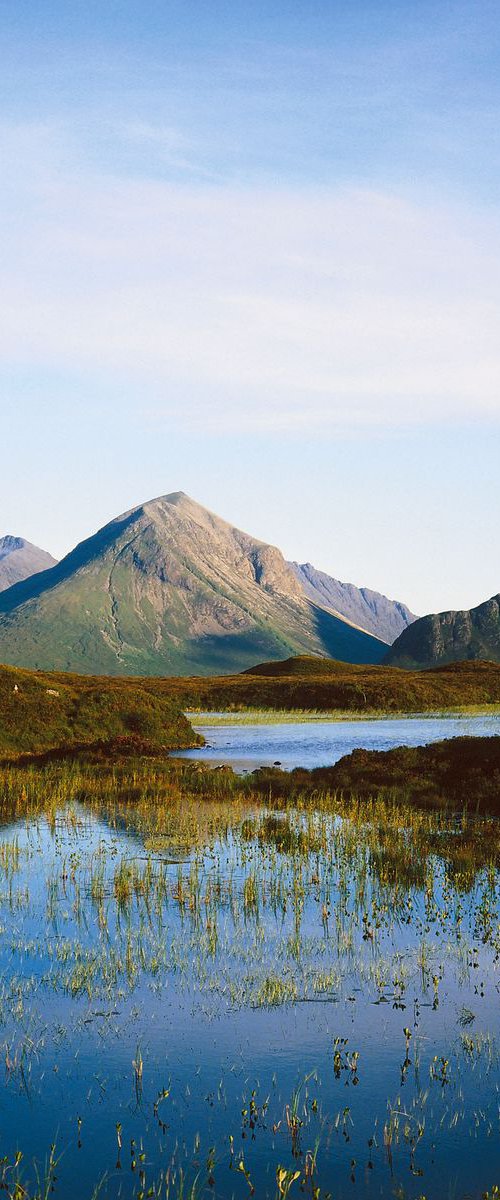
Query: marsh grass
pixel 305 716
pixel 133 888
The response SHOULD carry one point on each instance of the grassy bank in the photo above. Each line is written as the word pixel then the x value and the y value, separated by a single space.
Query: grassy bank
pixel 42 712
pixel 256 716
pixel 179 808
pixel 457 775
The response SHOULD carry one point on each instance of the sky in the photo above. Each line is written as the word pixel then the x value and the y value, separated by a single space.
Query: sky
pixel 251 251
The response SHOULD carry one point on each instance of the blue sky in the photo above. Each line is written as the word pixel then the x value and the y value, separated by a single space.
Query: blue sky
pixel 253 251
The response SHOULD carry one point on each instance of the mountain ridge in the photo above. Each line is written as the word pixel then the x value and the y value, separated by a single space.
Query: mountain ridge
pixel 20 559
pixel 362 607
pixel 168 587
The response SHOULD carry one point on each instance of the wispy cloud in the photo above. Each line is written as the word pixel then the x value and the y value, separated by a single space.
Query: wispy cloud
pixel 261 307
pixel 171 148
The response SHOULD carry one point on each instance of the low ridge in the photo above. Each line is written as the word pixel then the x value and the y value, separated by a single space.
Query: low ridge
pixel 44 713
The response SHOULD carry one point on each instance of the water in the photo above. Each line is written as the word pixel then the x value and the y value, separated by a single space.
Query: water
pixel 173 987
pixel 321 743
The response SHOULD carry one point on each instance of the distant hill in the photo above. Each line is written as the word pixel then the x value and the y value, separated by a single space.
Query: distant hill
pixel 371 611
pixel 450 637
pixel 169 588
pixel 302 666
pixel 19 559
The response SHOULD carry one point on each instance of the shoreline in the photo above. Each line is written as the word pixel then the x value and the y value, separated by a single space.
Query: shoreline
pixel 261 716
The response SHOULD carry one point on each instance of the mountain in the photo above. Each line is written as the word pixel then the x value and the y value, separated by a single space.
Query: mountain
pixel 369 610
pixel 170 589
pixel 450 637
pixel 19 559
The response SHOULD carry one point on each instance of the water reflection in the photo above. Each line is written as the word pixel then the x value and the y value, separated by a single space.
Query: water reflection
pixel 241 994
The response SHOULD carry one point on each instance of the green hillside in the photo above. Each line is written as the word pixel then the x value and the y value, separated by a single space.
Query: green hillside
pixel 169 589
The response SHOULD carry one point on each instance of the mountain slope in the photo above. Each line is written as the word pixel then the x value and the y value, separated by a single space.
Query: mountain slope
pixel 369 610
pixel 450 637
pixel 19 559
pixel 169 588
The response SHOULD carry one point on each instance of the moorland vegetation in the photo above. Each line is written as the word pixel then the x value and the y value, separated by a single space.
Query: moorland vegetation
pixel 326 685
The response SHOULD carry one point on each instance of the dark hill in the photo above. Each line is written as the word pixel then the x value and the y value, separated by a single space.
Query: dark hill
pixel 303 666
pixel 447 637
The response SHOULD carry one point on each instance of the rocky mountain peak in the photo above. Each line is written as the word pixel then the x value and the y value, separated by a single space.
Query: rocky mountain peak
pixel 20 560
pixel 170 588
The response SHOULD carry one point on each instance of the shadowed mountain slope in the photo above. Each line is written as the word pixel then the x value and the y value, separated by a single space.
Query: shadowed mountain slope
pixel 19 559
pixel 369 610
pixel 450 637
pixel 170 588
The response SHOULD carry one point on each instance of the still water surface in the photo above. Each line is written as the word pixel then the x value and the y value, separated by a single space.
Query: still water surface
pixel 234 993
pixel 321 743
